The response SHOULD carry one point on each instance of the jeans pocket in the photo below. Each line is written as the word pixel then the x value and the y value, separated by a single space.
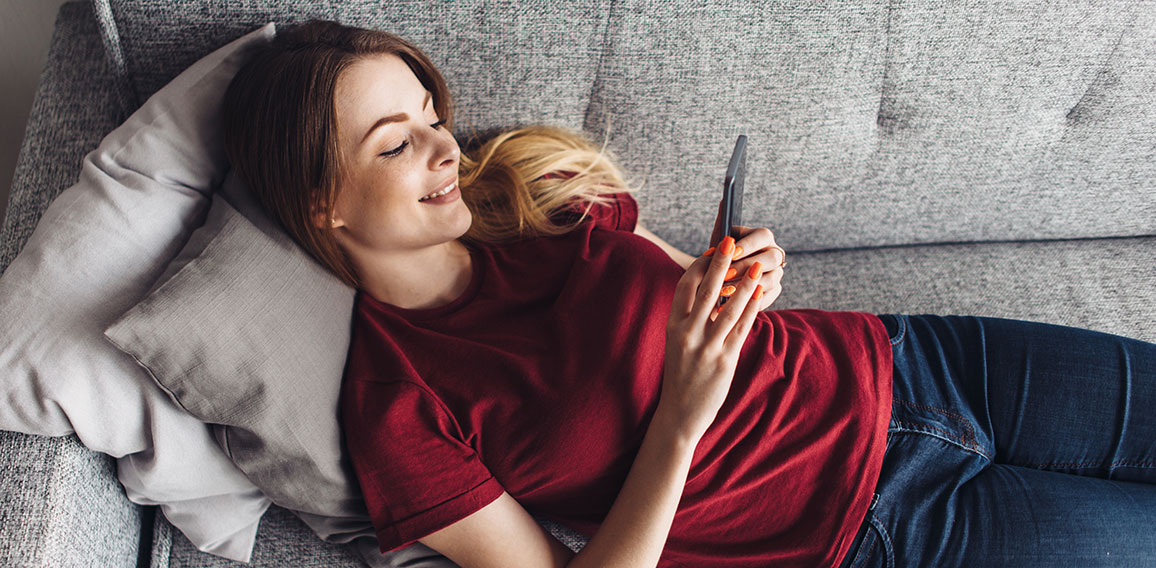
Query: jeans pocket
pixel 875 550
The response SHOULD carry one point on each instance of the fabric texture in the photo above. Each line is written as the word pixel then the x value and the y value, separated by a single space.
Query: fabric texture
pixel 512 62
pixel 62 505
pixel 96 250
pixel 1107 285
pixel 540 380
pixel 1031 444
pixel 61 500
pixel 880 123
pixel 250 334
pixel 973 123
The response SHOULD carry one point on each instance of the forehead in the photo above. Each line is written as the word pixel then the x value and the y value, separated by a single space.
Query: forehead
pixel 375 86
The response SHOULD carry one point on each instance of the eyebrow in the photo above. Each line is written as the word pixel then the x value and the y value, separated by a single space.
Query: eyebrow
pixel 398 117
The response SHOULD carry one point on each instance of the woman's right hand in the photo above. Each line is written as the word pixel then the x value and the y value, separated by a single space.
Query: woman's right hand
pixel 702 345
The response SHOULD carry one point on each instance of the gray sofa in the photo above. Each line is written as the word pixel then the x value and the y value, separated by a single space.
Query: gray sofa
pixel 932 156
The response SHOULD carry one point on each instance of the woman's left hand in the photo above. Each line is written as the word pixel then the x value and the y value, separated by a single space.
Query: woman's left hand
pixel 758 245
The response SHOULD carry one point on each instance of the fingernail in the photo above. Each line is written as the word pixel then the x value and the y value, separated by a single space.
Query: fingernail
pixel 718 310
pixel 759 292
pixel 731 273
pixel 728 245
pixel 727 291
pixel 756 271
pixel 738 252
pixel 709 251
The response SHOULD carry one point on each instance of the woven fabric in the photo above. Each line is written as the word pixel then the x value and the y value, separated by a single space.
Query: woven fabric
pixel 882 123
pixel 74 108
pixel 507 63
pixel 62 506
pixel 871 123
pixel 1103 284
pixel 282 540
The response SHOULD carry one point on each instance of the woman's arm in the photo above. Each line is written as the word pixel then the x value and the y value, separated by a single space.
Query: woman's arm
pixel 680 257
pixel 702 349
pixel 633 534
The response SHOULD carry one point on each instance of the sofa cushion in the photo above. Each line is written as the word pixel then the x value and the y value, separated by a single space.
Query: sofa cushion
pixel 96 250
pixel 532 61
pixel 879 123
pixel 1106 285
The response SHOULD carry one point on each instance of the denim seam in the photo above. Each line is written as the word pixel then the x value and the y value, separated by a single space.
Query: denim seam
pixel 899 335
pixel 863 546
pixel 885 538
pixel 923 429
pixel 968 438
pixel 1092 464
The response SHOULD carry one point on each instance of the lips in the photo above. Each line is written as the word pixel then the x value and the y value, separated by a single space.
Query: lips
pixel 441 192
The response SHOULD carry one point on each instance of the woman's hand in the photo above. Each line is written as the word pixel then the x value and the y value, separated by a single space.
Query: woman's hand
pixel 703 342
pixel 756 245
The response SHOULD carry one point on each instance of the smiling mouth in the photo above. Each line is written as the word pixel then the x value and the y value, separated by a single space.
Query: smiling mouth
pixel 437 194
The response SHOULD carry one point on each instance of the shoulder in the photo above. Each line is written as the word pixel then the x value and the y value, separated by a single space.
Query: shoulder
pixel 616 211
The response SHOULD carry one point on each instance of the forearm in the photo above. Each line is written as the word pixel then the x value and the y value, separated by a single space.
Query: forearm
pixel 678 256
pixel 636 528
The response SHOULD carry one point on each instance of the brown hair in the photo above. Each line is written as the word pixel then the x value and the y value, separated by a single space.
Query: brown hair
pixel 280 134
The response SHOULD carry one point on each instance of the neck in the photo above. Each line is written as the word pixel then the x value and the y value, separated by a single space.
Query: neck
pixel 420 279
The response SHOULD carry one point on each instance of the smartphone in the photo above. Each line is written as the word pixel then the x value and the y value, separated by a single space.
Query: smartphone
pixel 732 199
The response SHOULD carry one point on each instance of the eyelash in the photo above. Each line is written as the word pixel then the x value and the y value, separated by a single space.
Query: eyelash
pixel 399 149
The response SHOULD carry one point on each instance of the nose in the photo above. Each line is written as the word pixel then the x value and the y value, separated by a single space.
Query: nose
pixel 446 151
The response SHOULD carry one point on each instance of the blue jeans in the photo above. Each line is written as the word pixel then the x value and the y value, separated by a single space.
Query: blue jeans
pixel 1015 444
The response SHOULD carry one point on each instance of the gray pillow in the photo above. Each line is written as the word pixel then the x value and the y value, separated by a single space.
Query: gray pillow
pixel 250 334
pixel 95 252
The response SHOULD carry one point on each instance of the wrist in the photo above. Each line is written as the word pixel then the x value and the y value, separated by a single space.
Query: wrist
pixel 675 430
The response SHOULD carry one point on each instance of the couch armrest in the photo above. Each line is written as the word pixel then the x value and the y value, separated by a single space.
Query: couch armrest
pixel 74 107
pixel 62 505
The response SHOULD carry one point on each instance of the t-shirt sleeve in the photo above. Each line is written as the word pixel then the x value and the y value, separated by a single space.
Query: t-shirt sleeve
pixel 417 474
pixel 620 214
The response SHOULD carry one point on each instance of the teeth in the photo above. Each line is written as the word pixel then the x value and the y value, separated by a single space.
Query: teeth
pixel 439 193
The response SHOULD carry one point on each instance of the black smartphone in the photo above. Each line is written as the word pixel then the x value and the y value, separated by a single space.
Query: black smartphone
pixel 732 199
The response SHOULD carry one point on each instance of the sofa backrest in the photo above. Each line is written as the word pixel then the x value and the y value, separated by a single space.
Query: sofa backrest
pixel 872 123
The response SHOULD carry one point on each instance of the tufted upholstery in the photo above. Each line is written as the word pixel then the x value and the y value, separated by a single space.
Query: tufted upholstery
pixel 977 157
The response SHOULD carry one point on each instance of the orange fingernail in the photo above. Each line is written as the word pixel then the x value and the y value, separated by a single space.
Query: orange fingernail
pixel 756 271
pixel 727 291
pixel 759 292
pixel 728 245
pixel 738 252
pixel 709 251
pixel 731 273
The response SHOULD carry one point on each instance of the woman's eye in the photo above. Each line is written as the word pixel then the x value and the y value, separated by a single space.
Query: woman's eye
pixel 395 151
pixel 399 149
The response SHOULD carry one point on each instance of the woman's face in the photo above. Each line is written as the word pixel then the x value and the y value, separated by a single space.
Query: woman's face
pixel 400 189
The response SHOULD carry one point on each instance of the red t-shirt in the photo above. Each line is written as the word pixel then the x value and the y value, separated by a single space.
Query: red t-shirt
pixel 542 377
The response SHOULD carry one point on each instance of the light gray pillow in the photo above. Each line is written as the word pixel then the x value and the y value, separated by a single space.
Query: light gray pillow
pixel 96 251
pixel 250 334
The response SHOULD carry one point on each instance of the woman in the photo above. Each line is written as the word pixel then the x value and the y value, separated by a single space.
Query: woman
pixel 521 344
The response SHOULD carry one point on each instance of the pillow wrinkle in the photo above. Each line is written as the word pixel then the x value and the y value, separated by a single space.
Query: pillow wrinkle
pixel 95 252
pixel 251 334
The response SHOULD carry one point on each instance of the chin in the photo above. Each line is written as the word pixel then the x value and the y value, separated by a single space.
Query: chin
pixel 463 222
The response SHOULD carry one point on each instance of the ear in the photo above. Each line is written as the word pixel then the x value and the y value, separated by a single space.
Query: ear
pixel 322 220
